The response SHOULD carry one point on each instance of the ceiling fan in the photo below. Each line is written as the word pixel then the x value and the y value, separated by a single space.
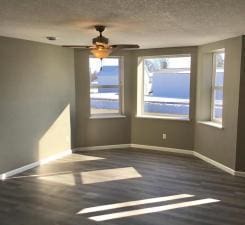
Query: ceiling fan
pixel 100 47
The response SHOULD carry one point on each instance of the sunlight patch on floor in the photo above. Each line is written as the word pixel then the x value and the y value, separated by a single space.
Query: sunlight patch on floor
pixel 143 211
pixel 95 176
pixel 69 179
pixel 133 203
pixel 78 158
pixel 98 176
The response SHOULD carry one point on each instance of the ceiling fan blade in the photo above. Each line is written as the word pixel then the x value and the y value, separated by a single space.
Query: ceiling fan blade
pixel 125 46
pixel 76 46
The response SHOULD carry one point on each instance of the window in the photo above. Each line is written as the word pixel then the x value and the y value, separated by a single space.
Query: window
pixel 217 86
pixel 164 86
pixel 105 86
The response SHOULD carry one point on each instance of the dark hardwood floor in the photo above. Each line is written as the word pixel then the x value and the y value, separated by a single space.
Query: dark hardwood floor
pixel 55 193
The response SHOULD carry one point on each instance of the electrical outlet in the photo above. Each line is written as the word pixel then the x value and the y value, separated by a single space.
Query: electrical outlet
pixel 164 136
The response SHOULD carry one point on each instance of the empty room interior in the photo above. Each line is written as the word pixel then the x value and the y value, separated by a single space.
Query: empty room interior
pixel 122 112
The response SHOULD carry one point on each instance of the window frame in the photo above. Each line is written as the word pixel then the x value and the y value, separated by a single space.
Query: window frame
pixel 120 86
pixel 140 89
pixel 215 88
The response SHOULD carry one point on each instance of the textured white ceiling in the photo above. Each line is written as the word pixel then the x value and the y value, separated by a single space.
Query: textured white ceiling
pixel 149 23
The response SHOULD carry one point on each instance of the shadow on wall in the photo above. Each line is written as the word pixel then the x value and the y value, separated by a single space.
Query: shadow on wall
pixel 28 139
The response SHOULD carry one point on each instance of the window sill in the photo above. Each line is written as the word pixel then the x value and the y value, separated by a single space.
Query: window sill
pixel 211 124
pixel 110 116
pixel 179 118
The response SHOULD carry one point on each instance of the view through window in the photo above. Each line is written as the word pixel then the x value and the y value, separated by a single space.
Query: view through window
pixel 105 86
pixel 217 86
pixel 166 86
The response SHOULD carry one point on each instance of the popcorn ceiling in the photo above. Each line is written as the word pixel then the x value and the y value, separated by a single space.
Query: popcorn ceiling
pixel 149 23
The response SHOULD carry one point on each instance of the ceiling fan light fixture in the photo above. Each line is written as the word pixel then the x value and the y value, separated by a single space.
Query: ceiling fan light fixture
pixel 100 47
pixel 101 53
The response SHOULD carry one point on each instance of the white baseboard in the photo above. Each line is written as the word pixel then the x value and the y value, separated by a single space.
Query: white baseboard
pixel 149 147
pixel 102 147
pixel 18 170
pixel 163 149
pixel 196 154
pixel 121 146
pixel 35 164
pixel 239 173
pixel 215 163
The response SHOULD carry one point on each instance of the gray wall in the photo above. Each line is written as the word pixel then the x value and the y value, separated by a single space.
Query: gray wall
pixel 148 131
pixel 94 132
pixel 240 155
pixel 219 144
pixel 37 101
pixel 44 93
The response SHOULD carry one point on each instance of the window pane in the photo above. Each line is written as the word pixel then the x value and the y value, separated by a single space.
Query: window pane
pixel 219 69
pixel 219 58
pixel 167 85
pixel 104 100
pixel 108 75
pixel 218 104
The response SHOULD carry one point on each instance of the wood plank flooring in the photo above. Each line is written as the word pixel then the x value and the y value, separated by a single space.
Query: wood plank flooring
pixel 53 194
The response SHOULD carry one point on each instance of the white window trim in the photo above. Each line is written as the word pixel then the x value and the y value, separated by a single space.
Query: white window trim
pixel 120 114
pixel 211 124
pixel 107 116
pixel 165 117
pixel 140 91
pixel 215 88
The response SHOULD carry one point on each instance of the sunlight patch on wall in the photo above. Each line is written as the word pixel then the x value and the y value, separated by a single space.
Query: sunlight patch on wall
pixel 58 137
